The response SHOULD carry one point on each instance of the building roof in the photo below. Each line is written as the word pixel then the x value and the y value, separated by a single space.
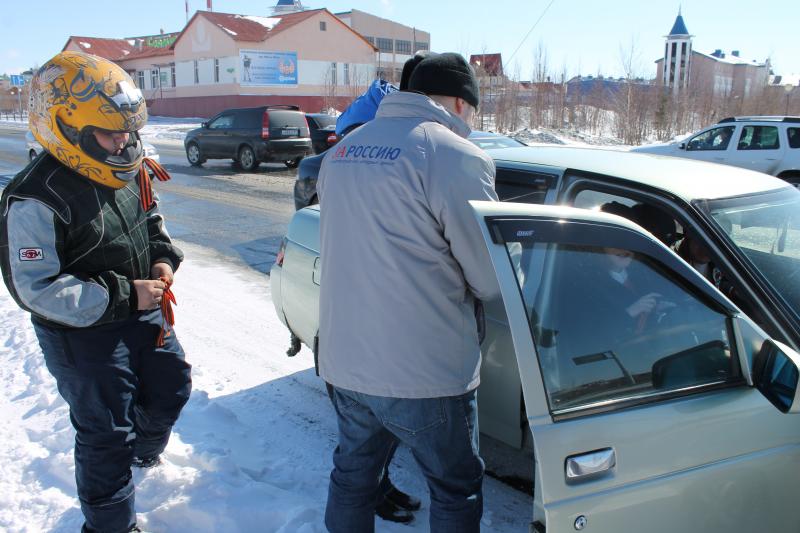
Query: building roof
pixel 111 49
pixel 732 59
pixel 256 29
pixel 679 28
pixel 491 64
pixel 149 51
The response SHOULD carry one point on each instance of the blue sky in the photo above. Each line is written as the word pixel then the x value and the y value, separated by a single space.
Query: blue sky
pixel 580 36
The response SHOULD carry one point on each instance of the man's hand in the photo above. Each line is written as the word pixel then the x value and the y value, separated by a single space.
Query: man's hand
pixel 149 293
pixel 645 304
pixel 162 270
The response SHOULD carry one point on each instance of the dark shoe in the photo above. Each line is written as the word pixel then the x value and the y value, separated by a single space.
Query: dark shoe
pixel 391 512
pixel 146 462
pixel 403 500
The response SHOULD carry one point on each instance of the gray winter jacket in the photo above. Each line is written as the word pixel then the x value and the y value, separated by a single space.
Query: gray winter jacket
pixel 402 255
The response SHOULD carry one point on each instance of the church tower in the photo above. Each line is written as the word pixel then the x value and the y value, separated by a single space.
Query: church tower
pixel 287 6
pixel 677 56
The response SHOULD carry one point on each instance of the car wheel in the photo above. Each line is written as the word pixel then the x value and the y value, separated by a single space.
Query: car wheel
pixel 791 177
pixel 32 154
pixel 247 159
pixel 292 163
pixel 194 155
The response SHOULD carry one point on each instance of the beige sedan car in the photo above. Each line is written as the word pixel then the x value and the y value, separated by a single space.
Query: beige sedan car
pixel 658 392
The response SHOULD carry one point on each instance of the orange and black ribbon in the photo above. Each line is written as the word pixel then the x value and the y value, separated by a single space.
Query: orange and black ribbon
pixel 145 187
pixel 167 315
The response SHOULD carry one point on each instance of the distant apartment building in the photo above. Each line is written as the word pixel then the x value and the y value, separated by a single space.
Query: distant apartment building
pixel 395 42
pixel 684 68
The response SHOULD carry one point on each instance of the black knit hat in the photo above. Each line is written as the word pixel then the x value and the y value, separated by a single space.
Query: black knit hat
pixel 446 75
pixel 409 66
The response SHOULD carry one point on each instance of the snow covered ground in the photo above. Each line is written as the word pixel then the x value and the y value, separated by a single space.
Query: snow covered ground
pixel 251 451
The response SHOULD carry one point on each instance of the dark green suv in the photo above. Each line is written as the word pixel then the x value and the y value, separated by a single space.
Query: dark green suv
pixel 273 133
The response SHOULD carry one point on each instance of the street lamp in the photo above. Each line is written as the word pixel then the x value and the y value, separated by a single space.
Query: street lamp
pixel 788 88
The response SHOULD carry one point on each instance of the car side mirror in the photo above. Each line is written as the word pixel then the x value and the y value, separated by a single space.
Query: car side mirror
pixel 682 146
pixel 204 125
pixel 775 373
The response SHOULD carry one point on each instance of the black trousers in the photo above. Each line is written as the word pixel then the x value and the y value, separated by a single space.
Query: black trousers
pixel 124 395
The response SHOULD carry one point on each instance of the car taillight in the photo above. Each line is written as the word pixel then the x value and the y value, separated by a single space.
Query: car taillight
pixel 265 126
pixel 332 138
pixel 281 253
pixel 308 128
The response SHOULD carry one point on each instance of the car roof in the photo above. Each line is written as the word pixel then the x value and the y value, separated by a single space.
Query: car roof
pixel 686 178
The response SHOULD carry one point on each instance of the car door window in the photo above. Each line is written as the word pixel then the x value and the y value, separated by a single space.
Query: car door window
pixel 609 325
pixel 794 137
pixel 513 185
pixel 713 139
pixel 759 138
pixel 224 121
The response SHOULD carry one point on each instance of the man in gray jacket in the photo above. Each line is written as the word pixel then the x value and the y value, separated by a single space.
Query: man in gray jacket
pixel 402 263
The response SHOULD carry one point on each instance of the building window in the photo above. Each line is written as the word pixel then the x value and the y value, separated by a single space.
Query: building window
pixel 323 26
pixel 333 73
pixel 421 46
pixel 384 45
pixel 196 73
pixel 172 73
pixel 216 70
pixel 140 79
pixel 153 78
pixel 402 47
pixel 347 74
pixel 370 40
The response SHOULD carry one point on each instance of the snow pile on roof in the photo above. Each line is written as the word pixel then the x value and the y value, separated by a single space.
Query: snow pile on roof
pixel 229 31
pixel 85 45
pixel 267 22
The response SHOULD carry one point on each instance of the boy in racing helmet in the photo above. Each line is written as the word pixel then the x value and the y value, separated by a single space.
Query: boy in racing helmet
pixel 83 249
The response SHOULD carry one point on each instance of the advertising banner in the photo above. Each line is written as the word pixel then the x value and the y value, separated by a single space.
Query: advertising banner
pixel 259 67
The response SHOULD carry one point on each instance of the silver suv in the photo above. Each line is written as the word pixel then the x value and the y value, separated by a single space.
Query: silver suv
pixel 765 144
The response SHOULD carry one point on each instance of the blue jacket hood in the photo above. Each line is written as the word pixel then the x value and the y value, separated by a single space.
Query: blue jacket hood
pixel 364 107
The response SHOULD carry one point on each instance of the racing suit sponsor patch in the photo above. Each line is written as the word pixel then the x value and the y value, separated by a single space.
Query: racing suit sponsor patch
pixel 31 254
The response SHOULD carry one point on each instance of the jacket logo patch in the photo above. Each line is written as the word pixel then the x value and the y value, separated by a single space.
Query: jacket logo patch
pixel 367 152
pixel 31 254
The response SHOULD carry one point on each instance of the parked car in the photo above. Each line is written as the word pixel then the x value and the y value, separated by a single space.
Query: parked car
pixel 672 423
pixel 765 144
pixel 323 131
pixel 305 186
pixel 34 148
pixel 249 136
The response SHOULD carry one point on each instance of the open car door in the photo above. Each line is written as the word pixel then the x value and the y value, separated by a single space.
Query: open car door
pixel 654 404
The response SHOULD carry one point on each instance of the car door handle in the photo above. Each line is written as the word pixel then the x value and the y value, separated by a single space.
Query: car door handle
pixel 590 465
pixel 315 273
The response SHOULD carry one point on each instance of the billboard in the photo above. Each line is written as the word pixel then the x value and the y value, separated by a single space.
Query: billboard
pixel 259 67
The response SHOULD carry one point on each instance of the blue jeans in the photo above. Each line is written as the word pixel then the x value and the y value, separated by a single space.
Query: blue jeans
pixel 124 395
pixel 442 434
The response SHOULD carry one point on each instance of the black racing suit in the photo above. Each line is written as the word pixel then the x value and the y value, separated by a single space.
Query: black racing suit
pixel 70 249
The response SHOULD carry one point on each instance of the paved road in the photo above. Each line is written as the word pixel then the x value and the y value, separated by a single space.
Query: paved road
pixel 241 215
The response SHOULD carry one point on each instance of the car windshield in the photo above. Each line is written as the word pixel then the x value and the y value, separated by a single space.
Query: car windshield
pixel 766 228
pixel 325 120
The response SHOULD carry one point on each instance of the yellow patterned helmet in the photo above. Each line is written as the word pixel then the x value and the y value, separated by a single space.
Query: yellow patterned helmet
pixel 75 94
